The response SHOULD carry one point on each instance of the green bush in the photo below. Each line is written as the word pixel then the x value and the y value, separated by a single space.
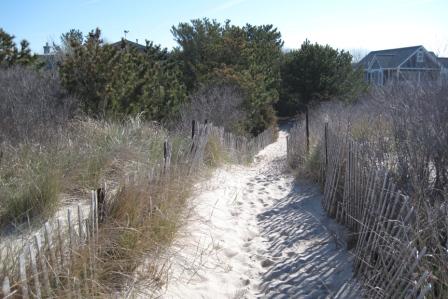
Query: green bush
pixel 248 57
pixel 114 81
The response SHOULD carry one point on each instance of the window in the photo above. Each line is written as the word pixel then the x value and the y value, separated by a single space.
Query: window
pixel 419 56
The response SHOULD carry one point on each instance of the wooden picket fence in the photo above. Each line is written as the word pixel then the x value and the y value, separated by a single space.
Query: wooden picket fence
pixel 46 263
pixel 362 196
pixel 46 266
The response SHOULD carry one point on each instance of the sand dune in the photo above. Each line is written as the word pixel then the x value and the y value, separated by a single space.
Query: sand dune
pixel 253 232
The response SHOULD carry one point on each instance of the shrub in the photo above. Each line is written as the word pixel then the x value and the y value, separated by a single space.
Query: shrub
pixel 33 105
pixel 220 104
pixel 116 82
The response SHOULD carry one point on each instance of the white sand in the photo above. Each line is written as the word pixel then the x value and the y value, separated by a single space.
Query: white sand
pixel 254 232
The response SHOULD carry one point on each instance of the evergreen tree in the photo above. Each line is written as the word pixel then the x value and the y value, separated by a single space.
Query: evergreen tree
pixel 316 73
pixel 115 82
pixel 247 56
pixel 10 55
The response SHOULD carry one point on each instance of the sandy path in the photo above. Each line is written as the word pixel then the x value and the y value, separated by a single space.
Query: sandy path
pixel 255 233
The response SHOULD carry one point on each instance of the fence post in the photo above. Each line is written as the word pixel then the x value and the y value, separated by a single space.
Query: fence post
pixel 42 264
pixel 193 128
pixel 101 197
pixel 34 271
pixel 326 144
pixel 166 155
pixel 23 279
pixel 6 289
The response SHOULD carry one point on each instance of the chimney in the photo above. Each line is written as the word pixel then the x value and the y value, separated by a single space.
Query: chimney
pixel 136 40
pixel 46 49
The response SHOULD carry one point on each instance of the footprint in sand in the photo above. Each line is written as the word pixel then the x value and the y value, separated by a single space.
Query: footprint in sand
pixel 235 213
pixel 267 263
pixel 230 253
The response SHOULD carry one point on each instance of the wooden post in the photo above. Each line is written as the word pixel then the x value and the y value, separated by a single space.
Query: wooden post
pixel 70 234
pixel 23 279
pixel 166 155
pixel 49 242
pixel 101 196
pixel 92 215
pixel 34 271
pixel 43 265
pixel 193 128
pixel 61 243
pixel 326 144
pixel 307 132
pixel 6 289
pixel 80 239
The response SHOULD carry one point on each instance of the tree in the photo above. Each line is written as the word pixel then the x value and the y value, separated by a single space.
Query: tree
pixel 317 73
pixel 246 56
pixel 10 55
pixel 113 81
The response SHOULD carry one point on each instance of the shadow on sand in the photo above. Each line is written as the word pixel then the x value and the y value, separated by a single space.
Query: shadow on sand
pixel 307 249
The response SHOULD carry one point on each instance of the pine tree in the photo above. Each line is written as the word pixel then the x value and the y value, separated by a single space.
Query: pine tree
pixel 116 82
pixel 10 55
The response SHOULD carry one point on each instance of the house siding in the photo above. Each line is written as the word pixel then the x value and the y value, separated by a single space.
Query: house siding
pixel 398 65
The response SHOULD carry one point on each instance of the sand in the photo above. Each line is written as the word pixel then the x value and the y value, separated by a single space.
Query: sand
pixel 254 232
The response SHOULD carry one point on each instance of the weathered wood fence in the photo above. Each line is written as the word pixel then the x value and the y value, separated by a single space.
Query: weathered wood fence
pixel 362 196
pixel 45 268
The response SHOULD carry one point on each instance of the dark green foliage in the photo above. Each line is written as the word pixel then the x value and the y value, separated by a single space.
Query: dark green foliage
pixel 247 56
pixel 116 81
pixel 316 73
pixel 9 53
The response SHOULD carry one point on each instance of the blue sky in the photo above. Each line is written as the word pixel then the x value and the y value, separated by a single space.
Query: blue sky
pixel 344 24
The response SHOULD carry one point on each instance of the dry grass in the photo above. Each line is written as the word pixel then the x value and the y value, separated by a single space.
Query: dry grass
pixel 73 162
pixel 215 154
pixel 402 129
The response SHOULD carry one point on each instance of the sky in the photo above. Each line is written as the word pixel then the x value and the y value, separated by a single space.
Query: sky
pixel 354 25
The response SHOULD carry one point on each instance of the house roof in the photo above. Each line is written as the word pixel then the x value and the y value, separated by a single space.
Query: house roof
pixel 129 43
pixel 390 58
pixel 443 61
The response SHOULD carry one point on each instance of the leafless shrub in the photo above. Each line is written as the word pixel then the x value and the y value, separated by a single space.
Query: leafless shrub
pixel 221 104
pixel 32 104
pixel 402 129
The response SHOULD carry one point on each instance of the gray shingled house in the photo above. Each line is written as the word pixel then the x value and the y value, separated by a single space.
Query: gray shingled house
pixel 402 64
pixel 444 62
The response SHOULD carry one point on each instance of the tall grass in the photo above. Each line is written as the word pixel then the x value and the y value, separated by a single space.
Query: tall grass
pixel 402 129
pixel 34 176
